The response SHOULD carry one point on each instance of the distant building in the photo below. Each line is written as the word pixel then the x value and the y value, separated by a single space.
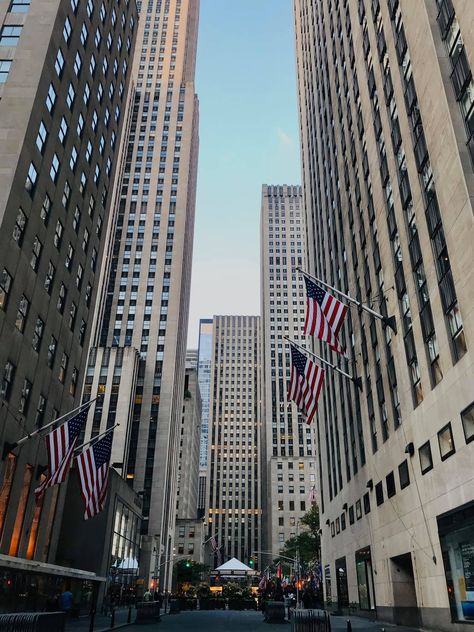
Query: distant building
pixel 204 378
pixel 289 444
pixel 386 118
pixel 234 513
pixel 64 77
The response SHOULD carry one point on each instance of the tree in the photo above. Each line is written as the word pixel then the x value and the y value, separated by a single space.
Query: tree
pixel 190 572
pixel 308 541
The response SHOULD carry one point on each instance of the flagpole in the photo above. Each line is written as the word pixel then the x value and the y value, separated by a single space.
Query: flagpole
pixel 210 538
pixel 8 447
pixel 357 380
pixel 96 438
pixel 389 321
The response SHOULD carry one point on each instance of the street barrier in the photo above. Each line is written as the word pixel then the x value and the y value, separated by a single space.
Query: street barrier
pixel 309 621
pixel 33 622
pixel 148 612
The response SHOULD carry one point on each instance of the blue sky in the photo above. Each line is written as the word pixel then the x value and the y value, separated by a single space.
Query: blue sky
pixel 246 85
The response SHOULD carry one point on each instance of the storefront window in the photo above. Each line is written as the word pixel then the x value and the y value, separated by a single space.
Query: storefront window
pixel 10 464
pixel 365 580
pixel 456 532
pixel 20 512
pixel 341 581
pixel 124 559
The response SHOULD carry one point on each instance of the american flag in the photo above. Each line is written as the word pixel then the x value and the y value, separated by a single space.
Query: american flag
pixel 60 444
pixel 214 544
pixel 324 315
pixel 93 469
pixel 312 495
pixel 305 383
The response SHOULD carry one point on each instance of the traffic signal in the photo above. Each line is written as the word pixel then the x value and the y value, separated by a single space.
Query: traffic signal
pixel 251 562
pixel 188 564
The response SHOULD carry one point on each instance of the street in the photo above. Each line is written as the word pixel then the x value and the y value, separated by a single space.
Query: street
pixel 248 621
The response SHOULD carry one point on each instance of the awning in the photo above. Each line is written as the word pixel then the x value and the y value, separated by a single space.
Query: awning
pixel 32 566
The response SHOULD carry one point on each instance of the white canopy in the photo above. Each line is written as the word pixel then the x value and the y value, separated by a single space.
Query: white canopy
pixel 234 566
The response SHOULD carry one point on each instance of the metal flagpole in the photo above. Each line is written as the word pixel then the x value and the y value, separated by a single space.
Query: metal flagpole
pixel 389 321
pixel 96 438
pixel 210 538
pixel 8 447
pixel 357 380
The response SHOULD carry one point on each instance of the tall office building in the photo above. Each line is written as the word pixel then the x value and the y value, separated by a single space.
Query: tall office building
pixel 288 446
pixel 148 283
pixel 189 521
pixel 204 379
pixel 64 75
pixel 234 498
pixel 385 92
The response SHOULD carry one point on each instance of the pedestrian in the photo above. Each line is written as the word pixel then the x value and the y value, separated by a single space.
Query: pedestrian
pixel 147 596
pixel 66 600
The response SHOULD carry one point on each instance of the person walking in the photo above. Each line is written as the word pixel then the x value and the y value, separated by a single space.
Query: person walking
pixel 65 601
pixel 147 596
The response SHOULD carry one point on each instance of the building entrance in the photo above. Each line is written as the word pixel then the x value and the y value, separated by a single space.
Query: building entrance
pixel 405 604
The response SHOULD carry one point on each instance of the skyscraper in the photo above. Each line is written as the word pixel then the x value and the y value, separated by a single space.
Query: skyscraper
pixel 234 498
pixel 147 286
pixel 64 75
pixel 204 378
pixel 288 447
pixel 385 93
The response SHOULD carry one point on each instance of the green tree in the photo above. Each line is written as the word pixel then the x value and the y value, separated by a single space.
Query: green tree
pixel 189 571
pixel 307 541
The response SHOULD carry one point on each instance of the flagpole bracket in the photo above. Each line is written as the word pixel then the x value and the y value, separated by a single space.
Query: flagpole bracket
pixel 390 321
pixel 358 382
pixel 7 448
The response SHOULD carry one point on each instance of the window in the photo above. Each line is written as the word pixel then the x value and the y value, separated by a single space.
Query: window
pixel 73 158
pixel 59 63
pixel 390 481
pixel 58 233
pixel 358 510
pixel 48 281
pixel 7 482
pixel 5 65
pixel 77 64
pixel 403 474
pixel 66 194
pixel 379 493
pixel 55 164
pixel 446 442
pixel 22 313
pixel 31 179
pixel 73 386
pixel 67 30
pixel 5 286
pixel 426 458
pixel 63 368
pixel 84 35
pixel 61 298
pixel 53 343
pixel 38 334
pixel 40 410
pixel 351 514
pixel 20 510
pixel 80 125
pixel 24 397
pixel 19 6
pixel 41 138
pixel 7 380
pixel 51 98
pixel 366 503
pixel 62 131
pixel 69 256
pixel 10 34
pixel 35 253
pixel 19 228
pixel 71 96
pixel 467 418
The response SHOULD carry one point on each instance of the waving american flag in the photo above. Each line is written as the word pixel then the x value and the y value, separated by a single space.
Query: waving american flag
pixel 305 383
pixel 93 469
pixel 60 444
pixel 324 315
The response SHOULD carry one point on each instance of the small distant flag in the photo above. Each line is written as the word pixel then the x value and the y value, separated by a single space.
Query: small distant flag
pixel 312 495
pixel 324 315
pixel 214 544
pixel 60 444
pixel 93 470
pixel 305 383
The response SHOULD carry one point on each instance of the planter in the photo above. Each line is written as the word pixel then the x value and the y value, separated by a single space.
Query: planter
pixel 274 611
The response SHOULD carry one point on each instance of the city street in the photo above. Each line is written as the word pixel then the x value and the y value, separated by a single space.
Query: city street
pixel 248 621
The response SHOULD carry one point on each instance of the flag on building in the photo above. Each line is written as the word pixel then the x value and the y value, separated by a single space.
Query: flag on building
pixel 214 544
pixel 305 383
pixel 60 444
pixel 324 315
pixel 93 470
pixel 312 495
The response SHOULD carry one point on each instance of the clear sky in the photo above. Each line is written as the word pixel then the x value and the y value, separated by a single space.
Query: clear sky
pixel 246 83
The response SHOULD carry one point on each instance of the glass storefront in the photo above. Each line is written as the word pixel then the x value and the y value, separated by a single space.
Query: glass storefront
pixel 341 581
pixel 124 557
pixel 365 580
pixel 456 534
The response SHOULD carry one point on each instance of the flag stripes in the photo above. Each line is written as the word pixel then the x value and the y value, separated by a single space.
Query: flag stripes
pixel 93 470
pixel 305 383
pixel 324 315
